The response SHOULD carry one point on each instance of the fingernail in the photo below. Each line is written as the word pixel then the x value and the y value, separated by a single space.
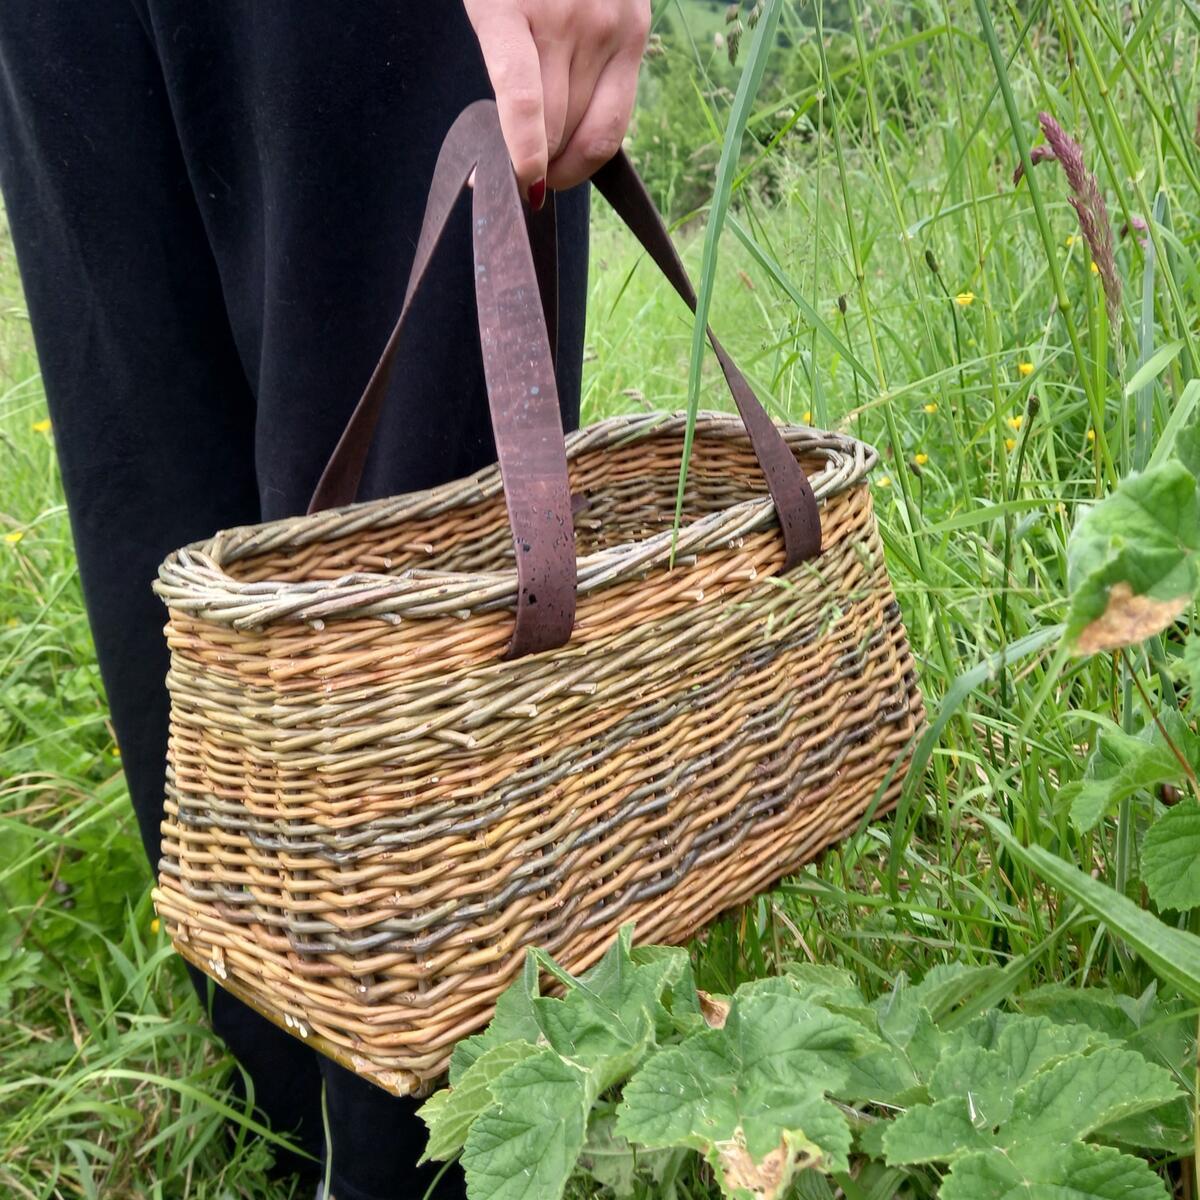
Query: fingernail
pixel 537 195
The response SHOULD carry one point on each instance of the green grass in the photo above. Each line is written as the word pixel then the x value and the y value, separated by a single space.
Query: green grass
pixel 111 1085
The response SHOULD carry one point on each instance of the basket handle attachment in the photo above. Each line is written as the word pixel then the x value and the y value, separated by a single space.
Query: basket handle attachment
pixel 519 372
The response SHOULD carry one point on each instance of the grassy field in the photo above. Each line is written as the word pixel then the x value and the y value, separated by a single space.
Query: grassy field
pixel 881 276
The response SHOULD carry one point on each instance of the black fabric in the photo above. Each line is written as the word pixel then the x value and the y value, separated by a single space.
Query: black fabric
pixel 214 206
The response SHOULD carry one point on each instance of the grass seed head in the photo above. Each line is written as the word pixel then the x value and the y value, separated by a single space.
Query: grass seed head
pixel 1088 203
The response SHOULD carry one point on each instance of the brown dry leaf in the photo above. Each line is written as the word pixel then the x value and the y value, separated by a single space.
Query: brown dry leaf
pixel 1128 619
pixel 714 1011
pixel 765 1180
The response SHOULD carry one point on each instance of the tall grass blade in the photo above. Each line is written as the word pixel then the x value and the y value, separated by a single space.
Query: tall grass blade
pixel 1173 954
pixel 739 113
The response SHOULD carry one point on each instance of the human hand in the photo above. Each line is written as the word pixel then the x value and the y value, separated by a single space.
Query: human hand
pixel 565 75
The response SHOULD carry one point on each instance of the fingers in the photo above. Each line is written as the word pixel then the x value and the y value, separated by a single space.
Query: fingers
pixel 514 67
pixel 556 92
pixel 565 77
pixel 601 129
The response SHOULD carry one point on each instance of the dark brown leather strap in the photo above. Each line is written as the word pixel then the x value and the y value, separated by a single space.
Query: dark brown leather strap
pixel 517 294
pixel 622 187
pixel 523 398
pixel 543 241
pixel 339 482
pixel 519 373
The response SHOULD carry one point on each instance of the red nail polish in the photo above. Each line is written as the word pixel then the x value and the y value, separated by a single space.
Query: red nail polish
pixel 537 195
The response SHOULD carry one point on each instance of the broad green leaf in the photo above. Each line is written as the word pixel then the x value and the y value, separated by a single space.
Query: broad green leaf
pixel 679 1008
pixel 515 1020
pixel 1029 1044
pixel 1176 735
pixel 1168 1127
pixel 449 1113
pixel 614 1163
pixel 1172 953
pixel 912 1036
pixel 1161 1031
pixel 900 1012
pixel 881 1076
pixel 1081 1094
pixel 812 1128
pixel 1073 1172
pixel 750 1094
pixel 981 1079
pixel 869 1140
pixel 1096 1008
pixel 608 1018
pixel 1171 857
pixel 984 1175
pixel 528 1143
pixel 1131 560
pixel 1144 765
pixel 907 1027
pixel 773 1035
pixel 940 1132
pixel 1100 1173
pixel 683 1095
pixel 947 985
pixel 825 978
pixel 831 987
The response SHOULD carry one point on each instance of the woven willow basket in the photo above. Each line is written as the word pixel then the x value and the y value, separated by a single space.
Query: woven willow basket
pixel 373 808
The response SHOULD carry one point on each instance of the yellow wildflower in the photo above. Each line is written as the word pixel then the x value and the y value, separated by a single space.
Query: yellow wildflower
pixel 41 426
pixel 807 417
pixel 13 538
pixel 1071 240
pixel 1091 435
pixel 155 925
pixel 1095 269
pixel 920 459
pixel 1010 443
pixel 1026 368
pixel 1017 421
pixel 931 408
pixel 115 752
pixel 964 299
pixel 885 481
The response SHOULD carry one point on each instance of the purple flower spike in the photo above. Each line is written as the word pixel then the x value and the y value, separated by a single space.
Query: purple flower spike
pixel 1088 204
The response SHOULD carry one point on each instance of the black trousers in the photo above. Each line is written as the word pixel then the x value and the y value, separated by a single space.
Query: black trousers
pixel 214 205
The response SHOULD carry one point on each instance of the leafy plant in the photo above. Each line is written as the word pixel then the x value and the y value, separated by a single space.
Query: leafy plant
pixel 1134 558
pixel 631 1077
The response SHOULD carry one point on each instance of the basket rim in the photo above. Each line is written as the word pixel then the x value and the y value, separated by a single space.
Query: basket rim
pixel 192 579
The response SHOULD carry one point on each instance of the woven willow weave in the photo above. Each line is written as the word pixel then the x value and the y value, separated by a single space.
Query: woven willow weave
pixel 370 815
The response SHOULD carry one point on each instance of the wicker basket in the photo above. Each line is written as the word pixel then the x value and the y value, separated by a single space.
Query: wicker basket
pixel 377 799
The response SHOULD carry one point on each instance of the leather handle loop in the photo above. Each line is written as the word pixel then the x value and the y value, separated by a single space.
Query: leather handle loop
pixel 622 187
pixel 523 396
pixel 516 285
pixel 518 371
